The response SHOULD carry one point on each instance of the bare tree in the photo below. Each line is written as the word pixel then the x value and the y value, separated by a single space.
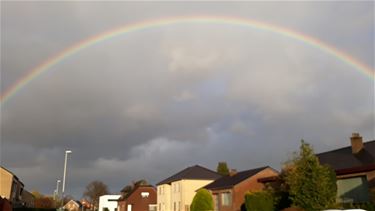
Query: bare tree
pixel 94 190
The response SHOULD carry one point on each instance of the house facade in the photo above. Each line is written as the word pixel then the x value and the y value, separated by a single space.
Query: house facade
pixel 73 205
pixel 229 191
pixel 28 199
pixel 10 187
pixel 108 202
pixel 142 198
pixel 355 170
pixel 177 192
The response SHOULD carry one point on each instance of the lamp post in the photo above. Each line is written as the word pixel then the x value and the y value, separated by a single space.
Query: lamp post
pixel 57 189
pixel 63 185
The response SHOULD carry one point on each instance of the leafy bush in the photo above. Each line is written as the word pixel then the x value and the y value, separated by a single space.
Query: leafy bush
pixel 259 201
pixel 202 201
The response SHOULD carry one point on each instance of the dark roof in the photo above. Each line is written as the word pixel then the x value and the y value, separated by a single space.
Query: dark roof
pixel 194 172
pixel 343 160
pixel 230 181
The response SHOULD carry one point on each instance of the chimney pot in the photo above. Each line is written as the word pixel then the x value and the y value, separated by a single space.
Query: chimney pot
pixel 232 172
pixel 356 142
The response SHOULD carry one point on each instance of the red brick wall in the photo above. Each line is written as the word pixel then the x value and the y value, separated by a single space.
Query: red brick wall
pixel 137 201
pixel 239 190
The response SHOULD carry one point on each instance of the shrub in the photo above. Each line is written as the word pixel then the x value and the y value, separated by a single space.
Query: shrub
pixel 202 201
pixel 259 201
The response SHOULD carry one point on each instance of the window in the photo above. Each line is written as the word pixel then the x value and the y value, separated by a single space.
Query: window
pixel 159 207
pixel 226 199
pixel 179 206
pixel 353 189
pixel 145 194
pixel 216 201
pixel 174 206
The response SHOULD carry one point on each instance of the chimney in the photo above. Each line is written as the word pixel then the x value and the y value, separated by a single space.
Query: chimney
pixel 232 172
pixel 357 144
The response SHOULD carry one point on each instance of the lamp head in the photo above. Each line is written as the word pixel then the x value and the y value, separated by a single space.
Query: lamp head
pixel 68 151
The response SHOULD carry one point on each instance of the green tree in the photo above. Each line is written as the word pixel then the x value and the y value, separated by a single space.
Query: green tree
pixel 259 201
pixel 222 168
pixel 311 186
pixel 202 201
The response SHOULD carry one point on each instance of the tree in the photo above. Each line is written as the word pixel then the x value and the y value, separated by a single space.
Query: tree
pixel 311 186
pixel 42 201
pixel 222 168
pixel 202 201
pixel 94 190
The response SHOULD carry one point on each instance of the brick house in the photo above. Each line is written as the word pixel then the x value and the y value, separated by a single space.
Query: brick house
pixel 355 170
pixel 229 191
pixel 141 198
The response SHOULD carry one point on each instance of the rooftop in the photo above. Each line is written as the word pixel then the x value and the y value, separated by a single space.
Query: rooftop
pixel 230 181
pixel 344 159
pixel 194 172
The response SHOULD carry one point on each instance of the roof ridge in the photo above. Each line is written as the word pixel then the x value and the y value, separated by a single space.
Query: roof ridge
pixel 189 172
pixel 349 146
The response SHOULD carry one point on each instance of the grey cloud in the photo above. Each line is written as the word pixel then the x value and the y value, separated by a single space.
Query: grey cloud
pixel 149 103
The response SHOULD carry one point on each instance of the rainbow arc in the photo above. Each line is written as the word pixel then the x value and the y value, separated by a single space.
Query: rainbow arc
pixel 217 20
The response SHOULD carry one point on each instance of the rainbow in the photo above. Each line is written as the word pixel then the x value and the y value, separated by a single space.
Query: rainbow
pixel 218 20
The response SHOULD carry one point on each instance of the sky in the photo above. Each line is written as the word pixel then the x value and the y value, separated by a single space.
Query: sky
pixel 147 104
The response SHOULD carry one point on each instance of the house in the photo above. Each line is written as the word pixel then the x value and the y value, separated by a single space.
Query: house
pixel 108 202
pixel 11 187
pixel 73 205
pixel 141 198
pixel 355 169
pixel 28 199
pixel 229 191
pixel 5 204
pixel 176 193
pixel 87 205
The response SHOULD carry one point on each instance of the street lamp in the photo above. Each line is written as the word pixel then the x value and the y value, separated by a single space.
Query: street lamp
pixel 57 189
pixel 63 185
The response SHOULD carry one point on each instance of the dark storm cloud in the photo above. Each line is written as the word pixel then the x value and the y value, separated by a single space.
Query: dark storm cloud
pixel 130 106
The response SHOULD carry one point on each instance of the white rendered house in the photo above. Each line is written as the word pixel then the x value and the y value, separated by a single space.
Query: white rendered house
pixel 177 192
pixel 108 202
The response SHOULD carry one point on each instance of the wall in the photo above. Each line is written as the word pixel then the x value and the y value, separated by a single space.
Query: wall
pixel 6 180
pixel 139 202
pixel 27 199
pixel 180 193
pixel 239 190
pixel 163 197
pixel 188 191
pixel 105 203
pixel 370 178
